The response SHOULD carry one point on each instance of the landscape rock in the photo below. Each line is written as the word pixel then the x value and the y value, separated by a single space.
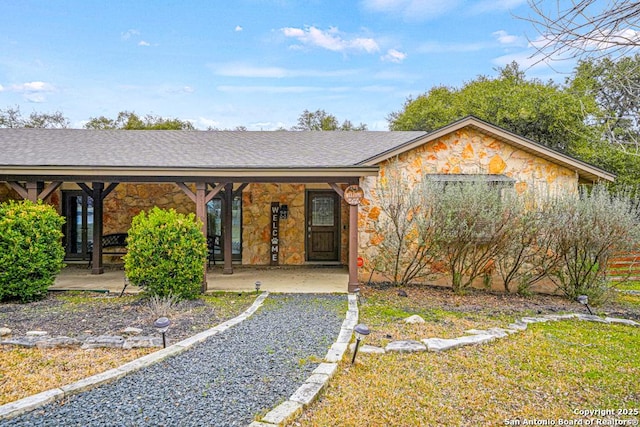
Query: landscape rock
pixel 592 318
pixel 369 349
pixel 5 332
pixel 414 319
pixel 21 341
pixel 141 341
pixel 441 344
pixel 622 321
pixel 405 346
pixel 518 326
pixel 131 331
pixel 102 341
pixel 36 333
pixel 58 342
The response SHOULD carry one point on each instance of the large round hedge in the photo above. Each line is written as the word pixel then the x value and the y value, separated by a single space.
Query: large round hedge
pixel 166 253
pixel 31 252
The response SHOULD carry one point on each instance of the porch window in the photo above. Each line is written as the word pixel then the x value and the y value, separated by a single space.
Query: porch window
pixel 215 225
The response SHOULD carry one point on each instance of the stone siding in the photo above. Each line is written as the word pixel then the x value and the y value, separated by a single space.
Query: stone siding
pixel 465 151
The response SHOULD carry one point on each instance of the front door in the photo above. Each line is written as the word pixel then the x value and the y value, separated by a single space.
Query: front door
pixel 323 226
pixel 77 209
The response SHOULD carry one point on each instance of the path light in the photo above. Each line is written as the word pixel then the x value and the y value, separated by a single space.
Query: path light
pixel 162 324
pixel 584 300
pixel 258 284
pixel 126 283
pixel 361 331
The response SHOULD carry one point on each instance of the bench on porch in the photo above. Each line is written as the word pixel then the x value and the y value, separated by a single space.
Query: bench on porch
pixel 111 242
pixel 213 243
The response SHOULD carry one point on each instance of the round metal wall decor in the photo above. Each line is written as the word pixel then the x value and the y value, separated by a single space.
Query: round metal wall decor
pixel 353 194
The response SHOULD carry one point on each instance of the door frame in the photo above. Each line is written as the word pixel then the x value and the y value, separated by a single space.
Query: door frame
pixel 336 226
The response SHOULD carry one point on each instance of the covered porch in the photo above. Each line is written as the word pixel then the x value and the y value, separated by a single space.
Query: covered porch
pixel 285 279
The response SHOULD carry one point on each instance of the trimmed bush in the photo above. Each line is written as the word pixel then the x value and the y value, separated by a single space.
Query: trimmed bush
pixel 166 253
pixel 31 252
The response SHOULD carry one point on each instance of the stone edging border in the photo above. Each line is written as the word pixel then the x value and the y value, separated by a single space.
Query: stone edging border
pixel 319 378
pixel 19 407
pixel 481 336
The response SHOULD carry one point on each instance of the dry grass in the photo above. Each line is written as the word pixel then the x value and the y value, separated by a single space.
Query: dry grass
pixel 544 373
pixel 27 371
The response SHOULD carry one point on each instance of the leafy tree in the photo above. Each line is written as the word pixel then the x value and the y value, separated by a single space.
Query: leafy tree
pixel 12 118
pixel 320 120
pixel 129 120
pixel 543 112
pixel 615 87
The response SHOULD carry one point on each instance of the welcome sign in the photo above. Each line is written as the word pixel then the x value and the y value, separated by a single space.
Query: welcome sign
pixel 275 233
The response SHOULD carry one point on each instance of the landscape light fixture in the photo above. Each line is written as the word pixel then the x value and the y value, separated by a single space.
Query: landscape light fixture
pixel 258 284
pixel 584 300
pixel 361 331
pixel 126 283
pixel 162 324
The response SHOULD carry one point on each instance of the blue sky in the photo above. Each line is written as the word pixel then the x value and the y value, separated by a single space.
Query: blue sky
pixel 252 63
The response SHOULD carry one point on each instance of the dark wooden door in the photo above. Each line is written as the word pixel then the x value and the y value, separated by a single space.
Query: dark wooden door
pixel 323 226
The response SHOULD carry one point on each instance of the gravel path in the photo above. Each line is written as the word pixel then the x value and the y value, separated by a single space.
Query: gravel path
pixel 225 381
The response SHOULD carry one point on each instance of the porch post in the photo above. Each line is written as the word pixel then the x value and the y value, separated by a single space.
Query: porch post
pixel 228 224
pixel 201 213
pixel 353 248
pixel 96 195
pixel 33 189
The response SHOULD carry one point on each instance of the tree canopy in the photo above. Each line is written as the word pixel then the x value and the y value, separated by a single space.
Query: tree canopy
pixel 129 120
pixel 543 112
pixel 12 118
pixel 320 120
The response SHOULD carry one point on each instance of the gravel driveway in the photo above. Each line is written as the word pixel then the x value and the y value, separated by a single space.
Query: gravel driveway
pixel 225 381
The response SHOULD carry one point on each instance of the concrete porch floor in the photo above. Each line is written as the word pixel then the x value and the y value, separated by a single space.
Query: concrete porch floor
pixel 303 279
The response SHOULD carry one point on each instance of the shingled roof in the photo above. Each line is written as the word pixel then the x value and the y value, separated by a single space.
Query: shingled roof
pixel 157 154
pixel 193 149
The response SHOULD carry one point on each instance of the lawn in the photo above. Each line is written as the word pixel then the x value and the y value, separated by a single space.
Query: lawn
pixel 552 371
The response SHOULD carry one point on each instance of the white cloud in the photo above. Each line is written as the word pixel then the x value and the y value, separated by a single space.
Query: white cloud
pixel 128 34
pixel 238 28
pixel 1 88
pixel 412 10
pixel 394 56
pixel 143 43
pixel 244 70
pixel 508 39
pixel 331 39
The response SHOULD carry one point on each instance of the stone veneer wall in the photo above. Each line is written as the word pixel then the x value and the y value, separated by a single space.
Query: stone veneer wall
pixel 256 224
pixel 465 151
pixel 128 200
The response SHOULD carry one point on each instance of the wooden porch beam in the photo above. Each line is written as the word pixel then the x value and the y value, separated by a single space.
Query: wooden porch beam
pixel 85 188
pixel 109 189
pixel 213 193
pixel 53 186
pixel 228 225
pixel 18 189
pixel 187 191
pixel 239 190
pixel 336 188
pixel 96 193
pixel 201 214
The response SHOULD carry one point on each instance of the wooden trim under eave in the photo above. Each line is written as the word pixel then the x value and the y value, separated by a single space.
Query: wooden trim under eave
pixel 21 173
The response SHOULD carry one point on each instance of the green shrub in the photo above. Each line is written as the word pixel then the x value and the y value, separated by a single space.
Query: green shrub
pixel 166 253
pixel 588 228
pixel 31 252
